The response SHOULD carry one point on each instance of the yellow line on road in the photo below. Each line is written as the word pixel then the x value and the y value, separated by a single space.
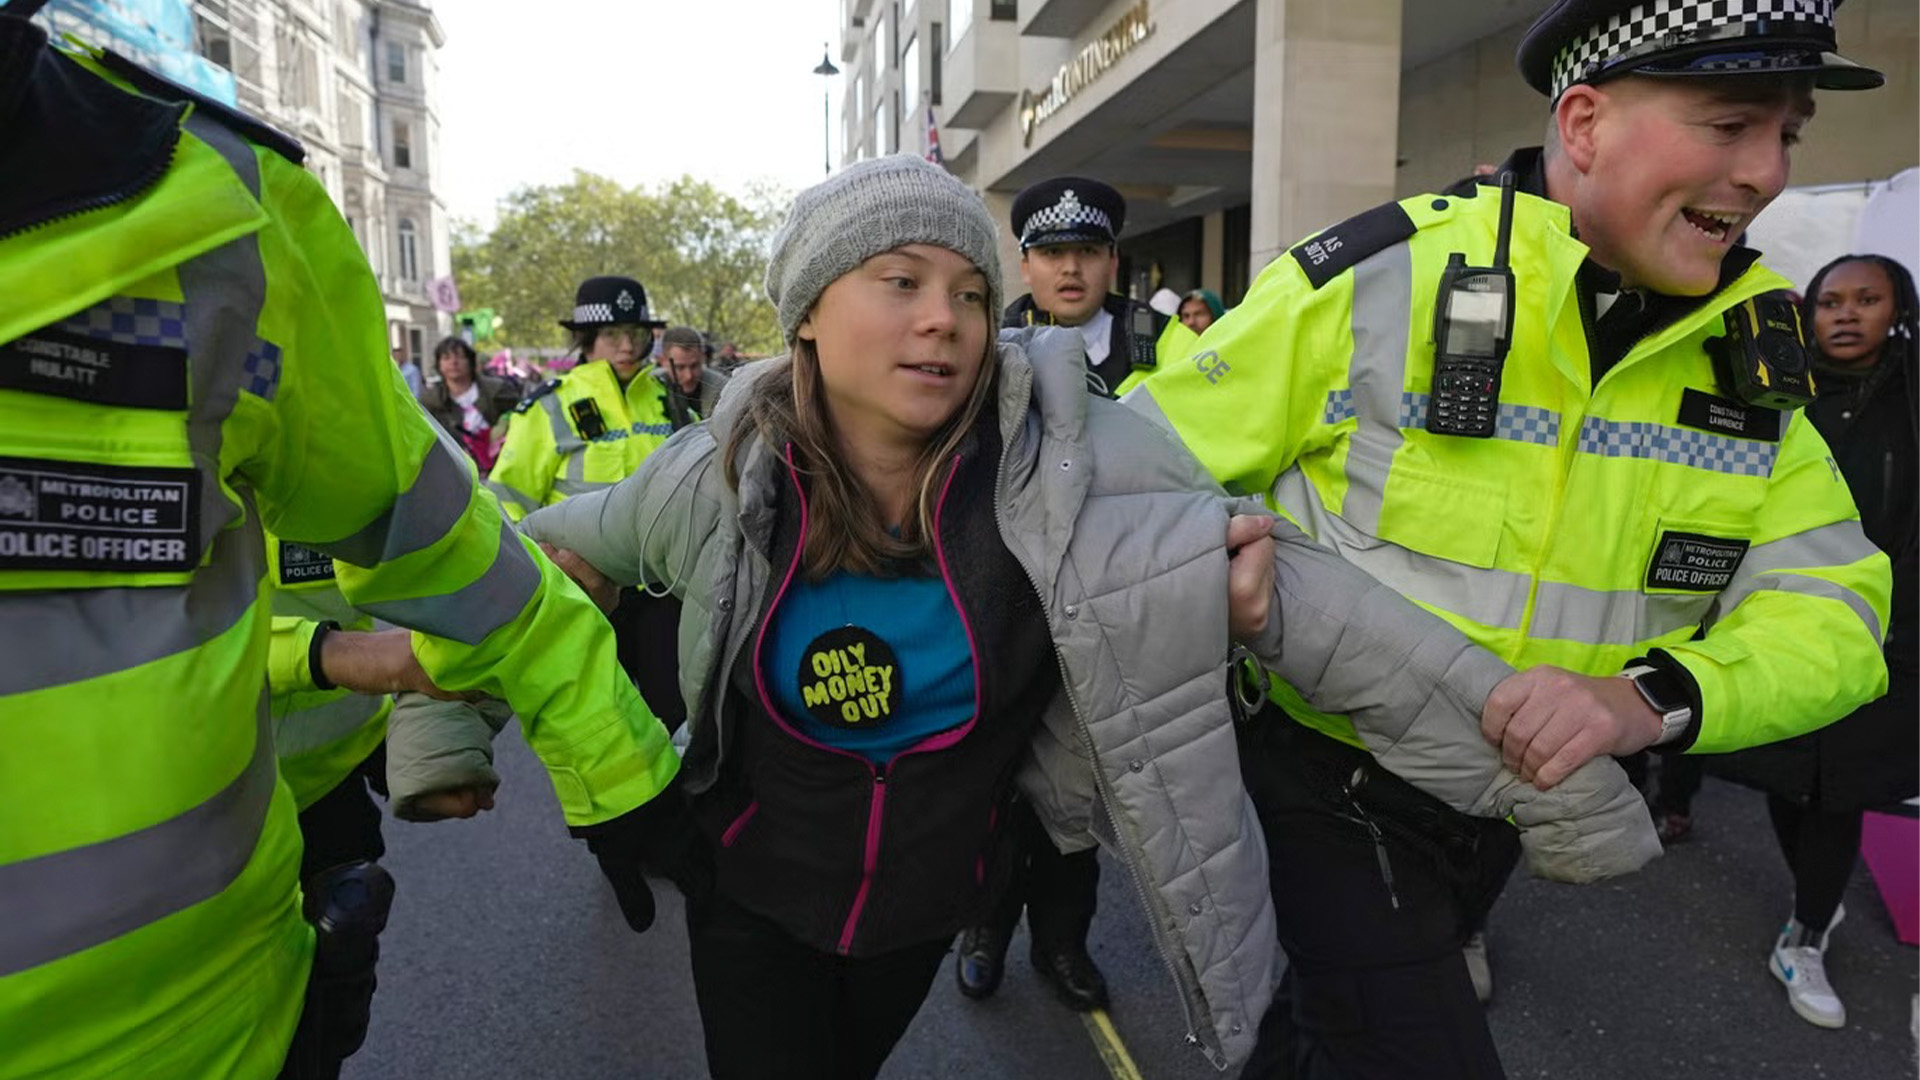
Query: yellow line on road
pixel 1113 1052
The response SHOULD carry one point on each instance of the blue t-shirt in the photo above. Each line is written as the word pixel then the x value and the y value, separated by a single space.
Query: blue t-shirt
pixel 870 665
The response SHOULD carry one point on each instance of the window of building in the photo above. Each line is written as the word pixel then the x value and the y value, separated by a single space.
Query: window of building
pixel 910 74
pixel 1003 10
pixel 215 45
pixel 409 250
pixel 959 20
pixel 894 121
pixel 396 62
pixel 893 33
pixel 417 344
pixel 402 145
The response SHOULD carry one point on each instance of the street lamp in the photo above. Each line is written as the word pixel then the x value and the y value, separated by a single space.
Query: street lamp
pixel 826 71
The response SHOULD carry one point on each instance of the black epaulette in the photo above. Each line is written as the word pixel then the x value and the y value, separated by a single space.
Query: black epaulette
pixel 251 128
pixel 539 392
pixel 1325 256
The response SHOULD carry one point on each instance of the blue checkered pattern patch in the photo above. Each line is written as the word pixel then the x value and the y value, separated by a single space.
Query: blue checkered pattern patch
pixel 263 369
pixel 1339 407
pixel 132 320
pixel 1679 446
pixel 1518 423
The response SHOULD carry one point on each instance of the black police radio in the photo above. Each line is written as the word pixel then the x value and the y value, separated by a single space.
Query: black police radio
pixel 1763 359
pixel 1472 330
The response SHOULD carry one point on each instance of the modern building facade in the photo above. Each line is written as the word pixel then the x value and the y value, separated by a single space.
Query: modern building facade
pixel 354 81
pixel 1237 127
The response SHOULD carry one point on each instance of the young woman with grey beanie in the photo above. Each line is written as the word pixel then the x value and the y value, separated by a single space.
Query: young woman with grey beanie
pixel 922 569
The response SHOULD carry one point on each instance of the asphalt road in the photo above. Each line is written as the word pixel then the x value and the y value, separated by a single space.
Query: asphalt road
pixel 506 957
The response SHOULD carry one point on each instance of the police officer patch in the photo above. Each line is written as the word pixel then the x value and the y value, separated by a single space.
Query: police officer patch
pixel 1695 563
pixel 65 515
pixel 301 565
pixel 850 679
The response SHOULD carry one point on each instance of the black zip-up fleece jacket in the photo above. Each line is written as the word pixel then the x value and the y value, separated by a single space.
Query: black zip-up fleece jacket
pixel 860 859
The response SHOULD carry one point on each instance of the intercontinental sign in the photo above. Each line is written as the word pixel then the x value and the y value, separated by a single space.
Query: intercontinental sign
pixel 1126 33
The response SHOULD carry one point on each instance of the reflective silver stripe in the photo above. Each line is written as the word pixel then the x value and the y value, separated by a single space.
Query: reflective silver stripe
pixel 1563 612
pixel 324 724
pixel 1678 446
pixel 470 613
pixel 1803 585
pixel 60 904
pixel 59 636
pixel 568 488
pixel 507 494
pixel 1839 543
pixel 1496 599
pixel 1382 297
pixel 424 513
pixel 564 440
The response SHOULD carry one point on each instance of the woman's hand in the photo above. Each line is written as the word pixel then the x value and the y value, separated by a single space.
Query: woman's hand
pixel 1249 574
pixel 605 594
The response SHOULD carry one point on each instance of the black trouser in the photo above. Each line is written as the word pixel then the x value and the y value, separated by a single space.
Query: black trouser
pixel 1679 779
pixel 1059 892
pixel 646 631
pixel 342 827
pixel 1375 984
pixel 1820 848
pixel 775 1009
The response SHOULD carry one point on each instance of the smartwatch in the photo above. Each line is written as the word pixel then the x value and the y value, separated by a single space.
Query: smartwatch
pixel 1663 693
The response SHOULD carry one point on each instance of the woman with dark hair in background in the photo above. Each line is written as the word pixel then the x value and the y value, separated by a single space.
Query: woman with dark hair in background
pixel 466 402
pixel 1861 310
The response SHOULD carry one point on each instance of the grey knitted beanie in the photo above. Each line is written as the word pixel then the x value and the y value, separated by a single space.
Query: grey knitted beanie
pixel 869 207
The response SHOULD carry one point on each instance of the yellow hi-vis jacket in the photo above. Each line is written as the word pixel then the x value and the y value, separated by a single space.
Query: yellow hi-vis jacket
pixel 186 358
pixel 318 735
pixel 1600 522
pixel 547 457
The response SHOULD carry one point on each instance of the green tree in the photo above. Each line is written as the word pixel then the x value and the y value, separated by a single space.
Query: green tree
pixel 700 252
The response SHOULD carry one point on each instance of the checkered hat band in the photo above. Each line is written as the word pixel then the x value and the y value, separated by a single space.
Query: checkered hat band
pixel 593 313
pixel 1056 219
pixel 1658 25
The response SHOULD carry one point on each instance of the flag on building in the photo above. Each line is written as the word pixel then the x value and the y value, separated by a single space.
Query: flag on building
pixel 444 294
pixel 933 138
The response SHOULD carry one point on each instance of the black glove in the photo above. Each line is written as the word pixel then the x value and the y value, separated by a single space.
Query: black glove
pixel 658 836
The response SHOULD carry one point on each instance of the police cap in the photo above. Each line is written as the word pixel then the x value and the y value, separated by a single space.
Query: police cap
pixel 1588 41
pixel 1068 210
pixel 608 301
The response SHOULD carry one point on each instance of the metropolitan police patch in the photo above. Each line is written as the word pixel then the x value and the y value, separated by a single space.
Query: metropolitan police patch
pixel 1695 563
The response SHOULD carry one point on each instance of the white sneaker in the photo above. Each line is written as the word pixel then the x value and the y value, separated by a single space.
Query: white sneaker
pixel 1481 972
pixel 1801 966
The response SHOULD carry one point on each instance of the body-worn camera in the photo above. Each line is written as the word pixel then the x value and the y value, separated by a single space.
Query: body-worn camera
pixel 1763 358
pixel 586 418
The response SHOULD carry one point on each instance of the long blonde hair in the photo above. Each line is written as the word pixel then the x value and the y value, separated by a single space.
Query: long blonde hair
pixel 845 528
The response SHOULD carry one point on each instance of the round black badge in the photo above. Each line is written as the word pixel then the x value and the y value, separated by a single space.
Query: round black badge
pixel 850 679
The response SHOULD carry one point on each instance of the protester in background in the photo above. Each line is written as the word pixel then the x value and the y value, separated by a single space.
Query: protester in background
pixel 1199 308
pixel 912 560
pixel 693 387
pixel 1862 313
pixel 467 402
pixel 409 370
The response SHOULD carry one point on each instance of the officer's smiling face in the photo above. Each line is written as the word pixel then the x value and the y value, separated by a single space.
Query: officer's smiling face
pixel 1069 281
pixel 1667 173
pixel 901 341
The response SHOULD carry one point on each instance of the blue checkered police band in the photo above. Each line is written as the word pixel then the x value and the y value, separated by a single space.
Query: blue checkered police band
pixel 1660 25
pixel 1067 215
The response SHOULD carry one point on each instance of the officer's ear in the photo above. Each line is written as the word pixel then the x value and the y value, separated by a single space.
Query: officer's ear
pixel 1576 120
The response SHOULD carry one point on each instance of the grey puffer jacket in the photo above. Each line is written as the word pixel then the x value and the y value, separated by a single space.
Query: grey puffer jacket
pixel 1123 536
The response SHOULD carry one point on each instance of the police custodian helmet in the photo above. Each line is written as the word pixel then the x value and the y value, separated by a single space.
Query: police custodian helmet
pixel 607 301
pixel 1068 210
pixel 1588 41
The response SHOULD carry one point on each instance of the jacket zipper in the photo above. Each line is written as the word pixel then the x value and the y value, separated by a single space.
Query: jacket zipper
pixel 1141 890
pixel 1351 787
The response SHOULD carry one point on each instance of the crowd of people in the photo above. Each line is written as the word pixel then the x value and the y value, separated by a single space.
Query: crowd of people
pixel 1265 602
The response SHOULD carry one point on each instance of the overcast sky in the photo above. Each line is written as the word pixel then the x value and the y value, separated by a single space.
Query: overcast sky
pixel 637 90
